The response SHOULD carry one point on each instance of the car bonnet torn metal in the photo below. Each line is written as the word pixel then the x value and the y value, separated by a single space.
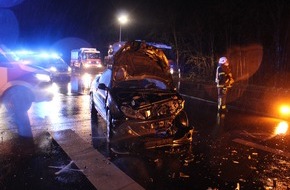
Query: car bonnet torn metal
pixel 141 100
pixel 137 60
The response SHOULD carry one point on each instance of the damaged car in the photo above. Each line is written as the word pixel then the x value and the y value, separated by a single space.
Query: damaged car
pixel 137 98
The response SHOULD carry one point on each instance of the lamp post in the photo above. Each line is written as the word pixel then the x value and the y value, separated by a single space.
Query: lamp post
pixel 123 19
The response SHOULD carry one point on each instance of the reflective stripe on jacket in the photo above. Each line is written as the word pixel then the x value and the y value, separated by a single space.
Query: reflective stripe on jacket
pixel 224 76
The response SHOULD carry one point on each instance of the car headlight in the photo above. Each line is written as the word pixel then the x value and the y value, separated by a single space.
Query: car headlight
pixel 42 77
pixel 53 69
pixel 87 79
pixel 129 112
pixel 87 65
pixel 99 65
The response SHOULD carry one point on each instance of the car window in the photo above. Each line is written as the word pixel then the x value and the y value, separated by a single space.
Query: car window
pixel 106 77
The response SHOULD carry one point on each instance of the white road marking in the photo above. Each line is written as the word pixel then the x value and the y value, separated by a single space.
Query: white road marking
pixel 64 168
pixel 98 169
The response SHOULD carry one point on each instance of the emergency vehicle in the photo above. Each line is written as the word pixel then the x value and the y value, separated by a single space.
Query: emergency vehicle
pixel 86 60
pixel 60 71
pixel 21 84
pixel 85 63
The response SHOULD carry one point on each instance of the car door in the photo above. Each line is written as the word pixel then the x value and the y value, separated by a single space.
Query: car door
pixel 100 96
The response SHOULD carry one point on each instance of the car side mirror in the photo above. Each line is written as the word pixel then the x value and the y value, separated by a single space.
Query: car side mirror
pixel 102 86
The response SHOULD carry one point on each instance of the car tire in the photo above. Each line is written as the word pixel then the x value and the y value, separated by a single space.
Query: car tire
pixel 183 129
pixel 109 126
pixel 18 99
pixel 181 120
pixel 93 110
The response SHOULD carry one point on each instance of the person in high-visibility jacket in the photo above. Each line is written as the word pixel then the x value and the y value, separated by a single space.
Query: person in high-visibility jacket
pixel 224 80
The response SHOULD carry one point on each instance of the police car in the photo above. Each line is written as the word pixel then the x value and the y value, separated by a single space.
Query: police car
pixel 21 84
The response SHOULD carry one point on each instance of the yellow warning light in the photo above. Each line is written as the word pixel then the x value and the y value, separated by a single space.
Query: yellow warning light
pixel 285 110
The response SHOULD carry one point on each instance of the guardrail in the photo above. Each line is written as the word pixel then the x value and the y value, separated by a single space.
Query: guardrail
pixel 250 98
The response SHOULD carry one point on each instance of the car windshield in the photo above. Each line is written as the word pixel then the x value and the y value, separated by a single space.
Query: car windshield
pixel 92 55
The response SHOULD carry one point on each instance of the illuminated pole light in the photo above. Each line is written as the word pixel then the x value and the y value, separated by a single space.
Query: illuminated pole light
pixel 123 19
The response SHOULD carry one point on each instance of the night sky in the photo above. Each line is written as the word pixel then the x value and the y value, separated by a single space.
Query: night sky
pixel 67 24
pixel 48 20
pixel 199 26
pixel 40 23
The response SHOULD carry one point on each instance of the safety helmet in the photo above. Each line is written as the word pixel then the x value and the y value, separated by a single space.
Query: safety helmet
pixel 223 60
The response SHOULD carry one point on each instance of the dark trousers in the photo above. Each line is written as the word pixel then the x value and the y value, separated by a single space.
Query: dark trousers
pixel 222 96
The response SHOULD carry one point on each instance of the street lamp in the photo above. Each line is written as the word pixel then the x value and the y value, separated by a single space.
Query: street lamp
pixel 123 19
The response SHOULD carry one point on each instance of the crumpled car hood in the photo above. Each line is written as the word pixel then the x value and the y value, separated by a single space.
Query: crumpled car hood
pixel 137 60
pixel 150 103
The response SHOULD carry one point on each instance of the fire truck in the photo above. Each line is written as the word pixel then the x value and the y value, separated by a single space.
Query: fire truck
pixel 86 60
pixel 85 64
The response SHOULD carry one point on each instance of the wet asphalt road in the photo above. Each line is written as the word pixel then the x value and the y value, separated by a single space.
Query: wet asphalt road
pixel 230 151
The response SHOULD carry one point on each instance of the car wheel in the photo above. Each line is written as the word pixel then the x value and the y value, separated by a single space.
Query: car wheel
pixel 92 107
pixel 181 120
pixel 183 130
pixel 109 126
pixel 18 99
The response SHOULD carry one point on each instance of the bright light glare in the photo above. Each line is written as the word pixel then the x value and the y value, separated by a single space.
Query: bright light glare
pixel 24 52
pixel 42 77
pixel 281 128
pixel 26 62
pixel 123 19
pixel 69 92
pixel 87 79
pixel 54 88
pixel 285 110
pixel 87 65
pixel 49 55
pixel 53 69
